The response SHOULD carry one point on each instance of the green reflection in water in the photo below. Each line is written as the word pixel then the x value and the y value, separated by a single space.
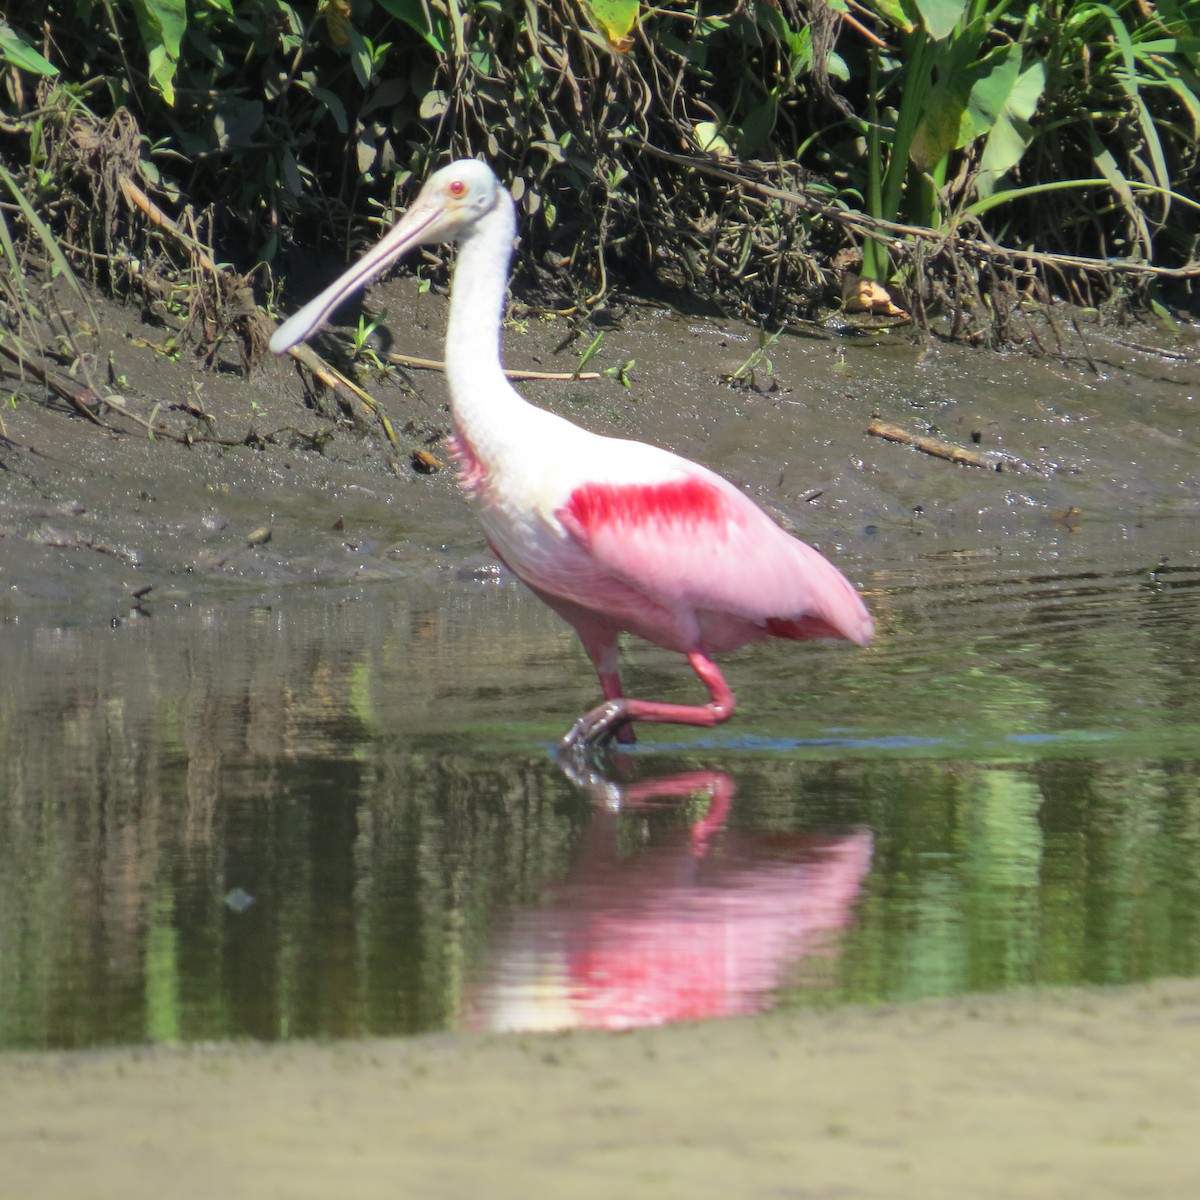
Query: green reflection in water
pixel 311 819
pixel 1055 872
pixel 163 1022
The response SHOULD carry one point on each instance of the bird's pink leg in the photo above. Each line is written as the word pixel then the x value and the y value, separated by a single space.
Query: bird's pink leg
pixel 601 721
pixel 610 686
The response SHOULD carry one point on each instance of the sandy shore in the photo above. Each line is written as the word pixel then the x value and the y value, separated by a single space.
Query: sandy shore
pixel 1073 1094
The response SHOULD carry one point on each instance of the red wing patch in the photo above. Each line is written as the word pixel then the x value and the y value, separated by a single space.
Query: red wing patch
pixel 685 503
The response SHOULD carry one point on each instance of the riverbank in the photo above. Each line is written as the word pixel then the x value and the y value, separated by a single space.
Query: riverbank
pixel 1033 1094
pixel 1094 441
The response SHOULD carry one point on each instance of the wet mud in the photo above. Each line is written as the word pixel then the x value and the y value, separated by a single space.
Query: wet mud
pixel 1093 443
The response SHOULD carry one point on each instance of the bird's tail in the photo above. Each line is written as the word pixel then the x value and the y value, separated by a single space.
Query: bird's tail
pixel 834 609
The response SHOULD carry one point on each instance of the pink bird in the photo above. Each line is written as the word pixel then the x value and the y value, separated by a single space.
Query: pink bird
pixel 615 536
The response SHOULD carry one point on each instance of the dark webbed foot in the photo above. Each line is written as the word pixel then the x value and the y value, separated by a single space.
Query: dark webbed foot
pixel 594 728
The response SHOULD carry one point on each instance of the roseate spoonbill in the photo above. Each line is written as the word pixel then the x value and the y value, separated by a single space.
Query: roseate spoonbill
pixel 613 535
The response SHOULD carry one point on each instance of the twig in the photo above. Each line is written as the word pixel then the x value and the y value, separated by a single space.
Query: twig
pixel 938 448
pixel 78 398
pixel 432 364
pixel 328 375
pixel 331 377
pixel 155 215
pixel 854 23
pixel 1156 351
pixel 81 399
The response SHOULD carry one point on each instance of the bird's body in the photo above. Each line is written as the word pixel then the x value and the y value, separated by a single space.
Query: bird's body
pixel 615 535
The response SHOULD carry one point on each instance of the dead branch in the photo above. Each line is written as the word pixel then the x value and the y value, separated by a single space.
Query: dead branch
pixel 433 364
pixel 81 399
pixel 939 448
pixel 155 215
pixel 333 379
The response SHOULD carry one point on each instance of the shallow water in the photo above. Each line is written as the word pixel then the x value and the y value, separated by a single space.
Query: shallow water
pixel 336 812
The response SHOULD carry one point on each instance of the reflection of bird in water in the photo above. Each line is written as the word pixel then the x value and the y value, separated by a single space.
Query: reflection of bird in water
pixel 617 794
pixel 613 535
pixel 670 932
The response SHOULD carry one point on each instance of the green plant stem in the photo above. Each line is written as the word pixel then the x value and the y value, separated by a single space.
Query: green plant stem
pixel 876 264
pixel 912 108
pixel 1063 185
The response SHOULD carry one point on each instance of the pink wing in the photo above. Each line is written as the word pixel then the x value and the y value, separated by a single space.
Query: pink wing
pixel 697 542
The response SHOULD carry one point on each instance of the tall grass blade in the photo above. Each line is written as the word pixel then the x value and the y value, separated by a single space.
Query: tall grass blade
pixel 61 266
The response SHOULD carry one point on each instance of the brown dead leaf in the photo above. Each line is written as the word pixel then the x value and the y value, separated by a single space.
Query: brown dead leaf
pixel 865 295
pixel 425 462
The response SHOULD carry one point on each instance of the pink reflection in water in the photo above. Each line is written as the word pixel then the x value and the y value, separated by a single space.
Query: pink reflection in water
pixel 706 924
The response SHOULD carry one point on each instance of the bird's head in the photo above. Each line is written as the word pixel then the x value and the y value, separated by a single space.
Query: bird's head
pixel 454 199
pixel 448 208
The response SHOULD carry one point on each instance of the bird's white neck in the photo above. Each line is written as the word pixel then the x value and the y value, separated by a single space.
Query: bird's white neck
pixel 481 398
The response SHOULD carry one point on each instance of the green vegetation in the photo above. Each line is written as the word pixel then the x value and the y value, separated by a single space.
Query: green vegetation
pixel 746 151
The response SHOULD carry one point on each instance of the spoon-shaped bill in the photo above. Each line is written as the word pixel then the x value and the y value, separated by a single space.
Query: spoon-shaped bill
pixel 411 230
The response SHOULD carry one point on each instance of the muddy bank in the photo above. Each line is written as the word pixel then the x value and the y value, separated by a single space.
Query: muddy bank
pixel 1095 441
pixel 1054 1095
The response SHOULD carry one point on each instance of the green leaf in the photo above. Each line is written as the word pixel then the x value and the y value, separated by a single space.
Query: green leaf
pixel 433 104
pixel 162 24
pixel 937 132
pixel 292 180
pixel 835 64
pixel 424 19
pixel 757 126
pixel 1123 187
pixel 334 106
pixel 969 98
pixel 1027 92
pixel 1066 185
pixel 1179 45
pixel 893 12
pixel 616 19
pixel 940 16
pixel 710 136
pixel 9 249
pixel 1163 313
pixel 236 122
pixel 1127 77
pixel 772 22
pixel 1012 133
pixel 1189 100
pixel 360 57
pixel 18 52
pixel 995 78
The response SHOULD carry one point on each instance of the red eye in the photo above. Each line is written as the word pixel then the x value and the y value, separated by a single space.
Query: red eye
pixel 457 189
